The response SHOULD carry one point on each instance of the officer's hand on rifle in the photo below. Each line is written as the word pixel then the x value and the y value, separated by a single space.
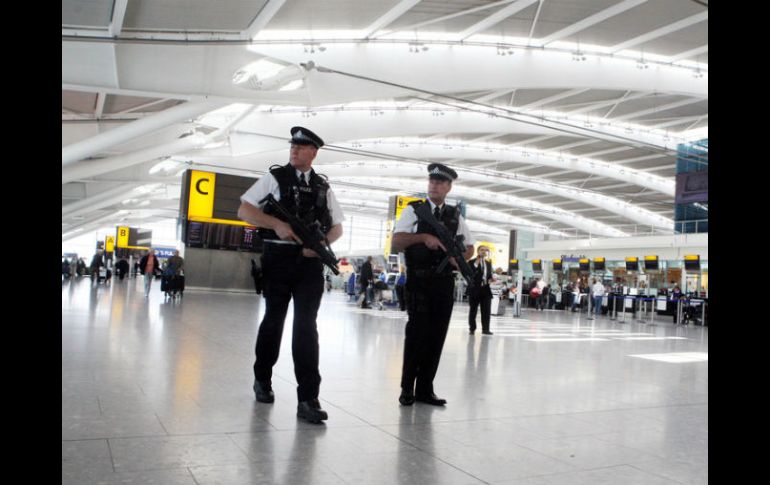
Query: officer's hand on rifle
pixel 285 233
pixel 309 253
pixel 432 242
pixel 453 262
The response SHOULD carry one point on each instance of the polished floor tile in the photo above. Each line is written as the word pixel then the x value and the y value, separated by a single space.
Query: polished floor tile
pixel 160 392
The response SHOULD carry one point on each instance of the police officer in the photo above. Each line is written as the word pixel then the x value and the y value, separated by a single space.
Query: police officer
pixel 291 271
pixel 429 295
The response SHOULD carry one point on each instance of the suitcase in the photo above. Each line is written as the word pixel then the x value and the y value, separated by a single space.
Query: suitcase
pixel 172 285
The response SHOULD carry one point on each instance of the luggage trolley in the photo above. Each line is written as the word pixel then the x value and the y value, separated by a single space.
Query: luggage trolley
pixel 172 285
pixel 691 310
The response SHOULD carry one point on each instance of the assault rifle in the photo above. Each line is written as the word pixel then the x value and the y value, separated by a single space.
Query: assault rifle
pixel 455 245
pixel 310 235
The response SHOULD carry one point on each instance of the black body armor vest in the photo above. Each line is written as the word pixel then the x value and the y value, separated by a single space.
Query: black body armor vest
pixel 309 203
pixel 418 256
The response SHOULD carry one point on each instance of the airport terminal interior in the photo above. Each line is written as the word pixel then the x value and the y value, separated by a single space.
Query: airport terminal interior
pixel 572 136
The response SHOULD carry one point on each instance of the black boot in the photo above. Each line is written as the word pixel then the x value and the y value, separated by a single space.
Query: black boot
pixel 264 391
pixel 406 398
pixel 431 399
pixel 311 411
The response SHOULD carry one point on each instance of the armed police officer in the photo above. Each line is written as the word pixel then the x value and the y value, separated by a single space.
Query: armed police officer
pixel 429 294
pixel 291 271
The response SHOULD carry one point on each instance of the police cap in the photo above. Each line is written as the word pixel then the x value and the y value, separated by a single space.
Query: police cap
pixel 303 136
pixel 441 171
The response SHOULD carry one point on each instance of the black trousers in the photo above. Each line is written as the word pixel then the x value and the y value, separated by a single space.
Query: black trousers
pixel 429 304
pixel 401 297
pixel 480 297
pixel 287 275
pixel 365 292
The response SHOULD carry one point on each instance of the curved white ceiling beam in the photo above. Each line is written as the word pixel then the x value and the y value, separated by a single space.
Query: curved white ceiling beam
pixel 420 149
pixel 180 71
pixel 456 68
pixel 452 149
pixel 90 168
pixel 102 199
pixel 410 169
pixel 340 125
pixel 379 200
pixel 582 223
pixel 476 227
pixel 80 150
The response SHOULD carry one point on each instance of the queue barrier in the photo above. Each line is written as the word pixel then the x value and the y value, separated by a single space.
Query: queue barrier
pixel 659 304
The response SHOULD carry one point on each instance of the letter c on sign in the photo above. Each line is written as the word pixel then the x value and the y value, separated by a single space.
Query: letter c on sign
pixel 198 186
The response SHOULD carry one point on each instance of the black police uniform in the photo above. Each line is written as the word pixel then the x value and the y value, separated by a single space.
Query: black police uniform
pixel 286 274
pixel 429 302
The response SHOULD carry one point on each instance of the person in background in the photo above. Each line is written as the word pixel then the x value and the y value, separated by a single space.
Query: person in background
pixel 148 266
pixel 541 299
pixel 367 277
pixel 400 285
pixel 480 294
pixel 676 295
pixel 352 286
pixel 546 297
pixel 65 268
pixel 598 293
pixel 96 262
pixel 121 267
pixel 176 262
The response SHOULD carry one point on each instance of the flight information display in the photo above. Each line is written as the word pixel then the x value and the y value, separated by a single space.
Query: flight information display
pixel 210 235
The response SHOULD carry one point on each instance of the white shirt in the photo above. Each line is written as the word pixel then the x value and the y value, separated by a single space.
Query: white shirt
pixel 598 289
pixel 408 223
pixel 481 262
pixel 269 185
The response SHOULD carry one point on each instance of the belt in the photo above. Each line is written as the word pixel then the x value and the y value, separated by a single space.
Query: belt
pixel 284 249
pixel 429 273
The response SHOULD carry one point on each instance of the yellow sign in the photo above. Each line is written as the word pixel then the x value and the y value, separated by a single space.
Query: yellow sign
pixel 585 260
pixel 598 260
pixel 201 200
pixel 219 221
pixel 401 202
pixel 557 261
pixel 692 257
pixel 123 236
pixel 632 259
pixel 109 244
pixel 650 258
pixel 536 261
pixel 514 261
pixel 492 256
